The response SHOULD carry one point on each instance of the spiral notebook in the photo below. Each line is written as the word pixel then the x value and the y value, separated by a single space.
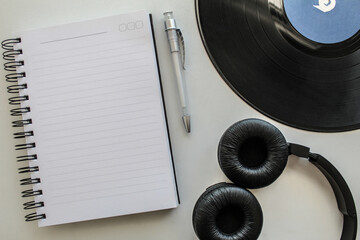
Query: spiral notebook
pixel 89 104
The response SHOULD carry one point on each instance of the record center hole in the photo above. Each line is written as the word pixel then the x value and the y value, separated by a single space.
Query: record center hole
pixel 253 152
pixel 230 219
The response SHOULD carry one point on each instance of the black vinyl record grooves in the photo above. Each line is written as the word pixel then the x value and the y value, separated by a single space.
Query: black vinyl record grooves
pixel 280 69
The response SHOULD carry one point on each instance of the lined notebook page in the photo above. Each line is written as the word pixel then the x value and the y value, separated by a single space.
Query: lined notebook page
pixel 98 119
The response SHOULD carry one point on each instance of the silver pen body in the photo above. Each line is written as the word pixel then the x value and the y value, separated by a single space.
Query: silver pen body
pixel 175 49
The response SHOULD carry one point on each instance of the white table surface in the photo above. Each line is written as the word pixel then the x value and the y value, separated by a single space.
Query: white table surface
pixel 299 205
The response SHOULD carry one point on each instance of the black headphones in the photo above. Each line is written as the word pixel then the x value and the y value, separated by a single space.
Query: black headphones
pixel 253 153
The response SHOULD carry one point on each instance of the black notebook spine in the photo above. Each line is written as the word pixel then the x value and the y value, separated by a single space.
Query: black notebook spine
pixel 17 86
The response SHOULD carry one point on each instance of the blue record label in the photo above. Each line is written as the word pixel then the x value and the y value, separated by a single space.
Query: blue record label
pixel 324 21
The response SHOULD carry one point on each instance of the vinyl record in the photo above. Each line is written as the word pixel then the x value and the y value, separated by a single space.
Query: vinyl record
pixel 295 61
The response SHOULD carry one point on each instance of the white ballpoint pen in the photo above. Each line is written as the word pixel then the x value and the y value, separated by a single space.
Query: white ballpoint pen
pixel 176 42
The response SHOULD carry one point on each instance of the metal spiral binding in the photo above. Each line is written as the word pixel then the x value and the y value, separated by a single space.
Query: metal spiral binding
pixel 29 181
pixel 23 134
pixel 33 204
pixel 16 88
pixel 15 77
pixel 18 100
pixel 26 158
pixel 21 123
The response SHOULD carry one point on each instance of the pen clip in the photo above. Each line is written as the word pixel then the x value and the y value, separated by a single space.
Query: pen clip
pixel 182 47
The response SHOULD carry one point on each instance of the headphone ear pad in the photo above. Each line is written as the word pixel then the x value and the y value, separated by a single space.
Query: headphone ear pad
pixel 227 212
pixel 252 153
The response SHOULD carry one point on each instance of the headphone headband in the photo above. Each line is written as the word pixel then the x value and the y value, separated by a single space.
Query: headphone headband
pixel 341 190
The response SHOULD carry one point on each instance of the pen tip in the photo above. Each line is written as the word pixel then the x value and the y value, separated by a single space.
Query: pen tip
pixel 186 120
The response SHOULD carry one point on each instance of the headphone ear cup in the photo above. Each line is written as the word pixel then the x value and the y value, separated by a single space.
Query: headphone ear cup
pixel 252 153
pixel 227 212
